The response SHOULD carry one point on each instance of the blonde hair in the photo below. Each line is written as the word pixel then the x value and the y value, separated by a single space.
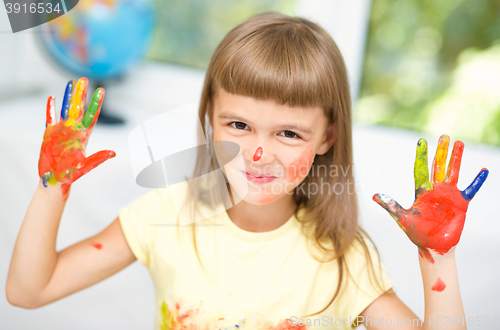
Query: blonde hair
pixel 294 62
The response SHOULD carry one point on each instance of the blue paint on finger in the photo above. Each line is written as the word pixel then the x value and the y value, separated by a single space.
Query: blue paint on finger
pixel 473 188
pixel 67 100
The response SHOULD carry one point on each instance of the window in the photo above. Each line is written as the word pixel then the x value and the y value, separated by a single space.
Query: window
pixel 188 31
pixel 434 66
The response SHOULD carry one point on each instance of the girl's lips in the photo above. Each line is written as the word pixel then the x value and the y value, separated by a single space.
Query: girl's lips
pixel 258 179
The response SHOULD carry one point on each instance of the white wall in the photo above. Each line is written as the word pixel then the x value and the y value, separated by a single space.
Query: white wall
pixel 23 68
pixel 347 23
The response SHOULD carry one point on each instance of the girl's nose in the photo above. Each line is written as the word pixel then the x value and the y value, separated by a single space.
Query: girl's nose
pixel 258 154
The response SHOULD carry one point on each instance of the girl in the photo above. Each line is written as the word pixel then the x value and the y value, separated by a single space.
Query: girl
pixel 283 248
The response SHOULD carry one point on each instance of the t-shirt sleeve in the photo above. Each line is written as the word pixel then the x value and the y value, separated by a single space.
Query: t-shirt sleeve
pixel 137 220
pixel 362 288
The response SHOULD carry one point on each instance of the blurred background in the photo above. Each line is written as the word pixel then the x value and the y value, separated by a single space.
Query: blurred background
pixel 434 66
pixel 416 68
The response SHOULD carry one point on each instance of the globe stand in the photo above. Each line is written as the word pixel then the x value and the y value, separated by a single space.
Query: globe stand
pixel 106 118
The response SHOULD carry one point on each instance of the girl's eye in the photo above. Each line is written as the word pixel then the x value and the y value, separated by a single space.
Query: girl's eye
pixel 238 124
pixel 241 126
pixel 291 135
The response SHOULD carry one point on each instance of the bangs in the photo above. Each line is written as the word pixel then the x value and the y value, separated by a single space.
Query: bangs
pixel 284 62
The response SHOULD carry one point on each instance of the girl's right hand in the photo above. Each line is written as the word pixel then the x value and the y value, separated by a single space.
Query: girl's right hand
pixel 62 155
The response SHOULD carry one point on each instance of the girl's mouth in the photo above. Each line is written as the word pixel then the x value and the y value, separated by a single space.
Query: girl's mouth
pixel 258 179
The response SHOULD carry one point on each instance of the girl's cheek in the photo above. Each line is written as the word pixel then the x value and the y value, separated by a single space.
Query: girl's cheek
pixel 300 166
pixel 296 171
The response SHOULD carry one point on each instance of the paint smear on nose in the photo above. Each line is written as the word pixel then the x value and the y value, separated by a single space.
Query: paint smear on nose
pixel 258 154
pixel 300 166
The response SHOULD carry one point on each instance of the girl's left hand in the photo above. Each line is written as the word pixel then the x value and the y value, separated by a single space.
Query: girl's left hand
pixel 436 219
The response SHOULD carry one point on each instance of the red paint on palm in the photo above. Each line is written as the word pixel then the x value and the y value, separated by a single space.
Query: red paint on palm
pixel 436 219
pixel 61 154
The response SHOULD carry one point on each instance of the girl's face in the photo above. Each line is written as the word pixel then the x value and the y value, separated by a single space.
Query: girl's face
pixel 277 144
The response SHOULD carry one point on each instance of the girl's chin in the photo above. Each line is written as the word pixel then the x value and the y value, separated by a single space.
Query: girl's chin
pixel 261 199
pixel 259 195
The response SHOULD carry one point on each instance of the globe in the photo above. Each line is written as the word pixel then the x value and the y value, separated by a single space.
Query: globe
pixel 100 39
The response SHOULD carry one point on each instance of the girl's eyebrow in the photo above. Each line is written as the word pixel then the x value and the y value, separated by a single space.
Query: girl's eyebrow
pixel 297 127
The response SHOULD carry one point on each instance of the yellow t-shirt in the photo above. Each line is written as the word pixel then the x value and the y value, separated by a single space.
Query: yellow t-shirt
pixel 252 280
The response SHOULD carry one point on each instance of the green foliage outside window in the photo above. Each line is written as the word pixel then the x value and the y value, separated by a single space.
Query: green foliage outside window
pixel 188 31
pixel 434 66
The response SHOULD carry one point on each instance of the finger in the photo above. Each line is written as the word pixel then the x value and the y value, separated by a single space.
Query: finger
pixel 70 87
pixel 455 161
pixel 77 106
pixel 50 114
pixel 92 113
pixel 92 162
pixel 421 168
pixel 473 188
pixel 439 163
pixel 390 205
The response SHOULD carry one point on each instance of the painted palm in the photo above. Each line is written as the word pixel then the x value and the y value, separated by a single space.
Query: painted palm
pixel 436 219
pixel 62 155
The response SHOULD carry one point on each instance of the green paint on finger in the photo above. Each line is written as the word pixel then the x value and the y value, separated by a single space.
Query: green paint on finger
pixel 94 106
pixel 421 169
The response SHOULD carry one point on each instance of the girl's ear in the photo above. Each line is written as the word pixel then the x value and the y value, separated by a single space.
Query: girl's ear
pixel 328 141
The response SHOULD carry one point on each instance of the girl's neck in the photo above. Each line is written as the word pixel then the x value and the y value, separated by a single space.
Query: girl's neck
pixel 262 218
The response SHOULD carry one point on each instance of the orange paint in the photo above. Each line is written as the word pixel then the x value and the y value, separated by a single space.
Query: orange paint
pixel 287 325
pixel 179 318
pixel 97 245
pixel 258 154
pixel 439 285
pixel 300 166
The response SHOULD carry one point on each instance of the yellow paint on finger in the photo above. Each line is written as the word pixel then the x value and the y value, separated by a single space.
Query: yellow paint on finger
pixel 76 103
pixel 440 158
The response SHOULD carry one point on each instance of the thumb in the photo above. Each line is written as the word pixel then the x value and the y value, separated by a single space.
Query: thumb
pixel 390 205
pixel 92 162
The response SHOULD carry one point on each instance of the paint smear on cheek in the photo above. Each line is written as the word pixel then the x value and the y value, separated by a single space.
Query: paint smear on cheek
pixel 299 168
pixel 97 245
pixel 439 285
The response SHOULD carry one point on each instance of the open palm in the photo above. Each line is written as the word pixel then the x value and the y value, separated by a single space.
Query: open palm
pixel 436 219
pixel 62 155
